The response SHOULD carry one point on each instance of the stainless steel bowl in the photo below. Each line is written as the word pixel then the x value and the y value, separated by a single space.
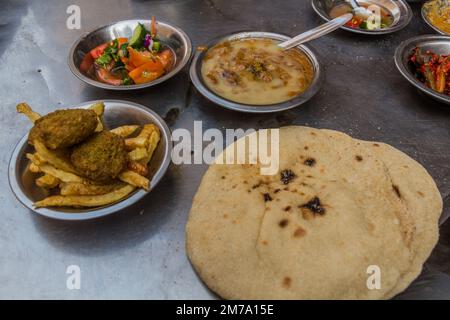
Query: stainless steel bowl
pixel 117 113
pixel 435 43
pixel 399 8
pixel 424 13
pixel 197 79
pixel 169 34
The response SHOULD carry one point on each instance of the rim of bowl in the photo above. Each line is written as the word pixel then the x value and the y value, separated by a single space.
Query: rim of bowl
pixel 197 79
pixel 428 22
pixel 396 27
pixel 93 213
pixel 406 73
pixel 75 71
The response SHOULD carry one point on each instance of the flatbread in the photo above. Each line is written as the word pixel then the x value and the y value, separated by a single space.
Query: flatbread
pixel 421 198
pixel 349 206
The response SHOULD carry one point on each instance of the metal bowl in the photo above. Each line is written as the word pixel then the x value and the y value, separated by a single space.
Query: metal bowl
pixel 117 113
pixel 424 13
pixel 399 8
pixel 435 43
pixel 197 79
pixel 170 35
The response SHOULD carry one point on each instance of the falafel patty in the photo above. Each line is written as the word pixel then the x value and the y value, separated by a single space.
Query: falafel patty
pixel 101 158
pixel 64 128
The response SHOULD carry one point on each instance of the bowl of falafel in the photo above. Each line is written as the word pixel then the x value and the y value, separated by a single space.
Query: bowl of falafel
pixel 89 160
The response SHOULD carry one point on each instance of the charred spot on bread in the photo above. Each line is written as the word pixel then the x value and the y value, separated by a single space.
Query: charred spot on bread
pixel 257 185
pixel 314 206
pixel 310 162
pixel 287 176
pixel 283 223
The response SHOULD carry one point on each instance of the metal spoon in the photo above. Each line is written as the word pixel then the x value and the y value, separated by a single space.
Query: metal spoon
pixel 315 33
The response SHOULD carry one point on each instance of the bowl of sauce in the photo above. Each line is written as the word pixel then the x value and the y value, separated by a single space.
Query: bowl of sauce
pixel 436 14
pixel 388 16
pixel 248 72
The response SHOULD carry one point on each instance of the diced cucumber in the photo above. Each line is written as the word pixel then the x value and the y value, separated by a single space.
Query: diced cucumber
pixel 156 46
pixel 137 40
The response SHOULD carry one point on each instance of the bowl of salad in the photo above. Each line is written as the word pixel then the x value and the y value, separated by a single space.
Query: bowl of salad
pixel 387 16
pixel 130 54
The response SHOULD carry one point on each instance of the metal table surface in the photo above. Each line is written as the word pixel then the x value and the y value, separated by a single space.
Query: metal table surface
pixel 139 253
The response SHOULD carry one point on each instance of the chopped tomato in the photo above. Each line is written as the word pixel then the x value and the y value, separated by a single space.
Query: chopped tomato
pixel 129 67
pixel 166 58
pixel 147 72
pixel 87 63
pixel 105 76
pixel 98 51
pixel 125 61
pixel 355 22
pixel 138 58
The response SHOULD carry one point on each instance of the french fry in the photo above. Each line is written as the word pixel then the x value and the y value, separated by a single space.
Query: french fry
pixel 135 179
pixel 134 143
pixel 35 159
pixel 141 140
pixel 139 168
pixel 86 201
pixel 125 131
pixel 138 154
pixel 27 111
pixel 33 168
pixel 60 174
pixel 98 108
pixel 47 181
pixel 52 157
pixel 152 143
pixel 51 170
pixel 75 188
pixel 141 156
pixel 99 127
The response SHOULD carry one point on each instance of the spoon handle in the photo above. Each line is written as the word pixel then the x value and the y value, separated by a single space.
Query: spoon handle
pixel 354 4
pixel 315 33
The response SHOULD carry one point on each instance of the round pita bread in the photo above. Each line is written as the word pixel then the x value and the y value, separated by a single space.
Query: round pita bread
pixel 421 198
pixel 336 207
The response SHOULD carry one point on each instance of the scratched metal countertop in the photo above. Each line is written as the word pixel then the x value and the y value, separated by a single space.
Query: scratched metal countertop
pixel 139 253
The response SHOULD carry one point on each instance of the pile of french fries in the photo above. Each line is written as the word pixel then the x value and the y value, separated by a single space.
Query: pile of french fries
pixel 76 191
